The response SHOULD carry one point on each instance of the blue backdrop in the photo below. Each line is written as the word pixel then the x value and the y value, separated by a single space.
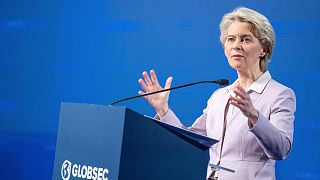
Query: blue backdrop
pixel 95 52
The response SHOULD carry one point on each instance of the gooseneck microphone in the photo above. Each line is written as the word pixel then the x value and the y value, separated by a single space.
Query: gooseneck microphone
pixel 222 82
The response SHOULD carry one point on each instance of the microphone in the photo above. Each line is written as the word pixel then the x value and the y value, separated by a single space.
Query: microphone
pixel 221 82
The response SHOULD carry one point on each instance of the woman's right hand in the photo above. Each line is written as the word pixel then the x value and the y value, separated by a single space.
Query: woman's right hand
pixel 158 101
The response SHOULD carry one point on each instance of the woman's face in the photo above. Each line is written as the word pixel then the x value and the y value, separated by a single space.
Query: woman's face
pixel 242 49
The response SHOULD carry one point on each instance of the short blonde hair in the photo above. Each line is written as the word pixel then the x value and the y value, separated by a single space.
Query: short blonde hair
pixel 261 29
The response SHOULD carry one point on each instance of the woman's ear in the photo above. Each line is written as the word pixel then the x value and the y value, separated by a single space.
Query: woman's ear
pixel 264 52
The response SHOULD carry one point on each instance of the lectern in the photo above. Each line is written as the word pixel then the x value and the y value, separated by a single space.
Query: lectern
pixel 107 142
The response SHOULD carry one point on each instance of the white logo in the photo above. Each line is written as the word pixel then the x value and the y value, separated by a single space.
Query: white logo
pixel 83 171
pixel 66 170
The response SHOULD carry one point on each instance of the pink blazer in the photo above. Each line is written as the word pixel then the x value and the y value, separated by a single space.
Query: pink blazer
pixel 252 153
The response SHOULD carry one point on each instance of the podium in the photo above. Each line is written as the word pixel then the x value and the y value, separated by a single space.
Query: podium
pixel 115 143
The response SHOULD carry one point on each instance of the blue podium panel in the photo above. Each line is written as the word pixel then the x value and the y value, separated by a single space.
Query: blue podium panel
pixel 150 151
pixel 115 143
pixel 89 137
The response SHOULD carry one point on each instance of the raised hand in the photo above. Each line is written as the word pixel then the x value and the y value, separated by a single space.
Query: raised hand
pixel 243 101
pixel 158 101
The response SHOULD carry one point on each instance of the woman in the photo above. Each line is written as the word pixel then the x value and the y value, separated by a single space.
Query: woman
pixel 253 117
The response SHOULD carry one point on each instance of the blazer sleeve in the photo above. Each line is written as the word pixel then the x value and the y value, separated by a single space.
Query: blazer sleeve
pixel 199 126
pixel 275 133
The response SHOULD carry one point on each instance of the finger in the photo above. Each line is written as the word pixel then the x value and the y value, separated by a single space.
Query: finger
pixel 143 85
pixel 240 93
pixel 168 82
pixel 154 77
pixel 240 88
pixel 146 78
pixel 235 103
pixel 141 93
pixel 238 105
pixel 238 100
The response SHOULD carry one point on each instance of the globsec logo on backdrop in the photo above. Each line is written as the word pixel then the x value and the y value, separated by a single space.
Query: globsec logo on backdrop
pixel 83 171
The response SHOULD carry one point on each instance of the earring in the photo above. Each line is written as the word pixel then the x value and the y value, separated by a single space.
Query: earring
pixel 262 55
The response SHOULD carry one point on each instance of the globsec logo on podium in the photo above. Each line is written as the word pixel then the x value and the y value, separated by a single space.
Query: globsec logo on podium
pixel 82 171
pixel 66 170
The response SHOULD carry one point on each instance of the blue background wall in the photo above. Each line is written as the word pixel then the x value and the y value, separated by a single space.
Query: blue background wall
pixel 95 51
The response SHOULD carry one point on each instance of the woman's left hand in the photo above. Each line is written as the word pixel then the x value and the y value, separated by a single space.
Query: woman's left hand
pixel 243 101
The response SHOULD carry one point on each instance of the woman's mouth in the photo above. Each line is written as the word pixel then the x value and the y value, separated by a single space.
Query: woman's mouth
pixel 237 55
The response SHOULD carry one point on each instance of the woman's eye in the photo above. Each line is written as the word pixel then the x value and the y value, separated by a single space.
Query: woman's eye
pixel 246 40
pixel 230 39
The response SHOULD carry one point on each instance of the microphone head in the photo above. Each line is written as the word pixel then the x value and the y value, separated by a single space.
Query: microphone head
pixel 223 82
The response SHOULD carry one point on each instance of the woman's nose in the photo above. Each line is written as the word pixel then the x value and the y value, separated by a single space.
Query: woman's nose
pixel 236 44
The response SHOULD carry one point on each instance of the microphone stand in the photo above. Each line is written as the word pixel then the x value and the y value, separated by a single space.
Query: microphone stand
pixel 222 82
